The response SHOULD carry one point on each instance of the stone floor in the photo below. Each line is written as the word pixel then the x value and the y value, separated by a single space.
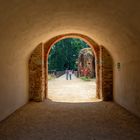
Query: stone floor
pixel 53 120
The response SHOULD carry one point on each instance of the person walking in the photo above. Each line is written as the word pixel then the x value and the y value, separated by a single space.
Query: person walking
pixel 67 73
pixel 70 74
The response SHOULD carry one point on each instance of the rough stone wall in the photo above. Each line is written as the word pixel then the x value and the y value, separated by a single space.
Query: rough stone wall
pixel 106 70
pixel 36 74
pixel 86 60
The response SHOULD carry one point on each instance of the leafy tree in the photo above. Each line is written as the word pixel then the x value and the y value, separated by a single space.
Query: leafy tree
pixel 65 53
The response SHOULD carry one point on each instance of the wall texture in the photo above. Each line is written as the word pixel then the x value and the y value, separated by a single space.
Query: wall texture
pixel 36 74
pixel 24 24
pixel 106 69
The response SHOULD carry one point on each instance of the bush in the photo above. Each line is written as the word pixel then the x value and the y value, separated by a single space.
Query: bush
pixel 85 78
pixel 51 76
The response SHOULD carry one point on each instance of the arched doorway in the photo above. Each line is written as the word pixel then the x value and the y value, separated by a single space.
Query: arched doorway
pixel 64 58
pixel 38 68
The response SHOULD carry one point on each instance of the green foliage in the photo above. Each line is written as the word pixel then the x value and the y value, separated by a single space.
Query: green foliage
pixel 51 77
pixel 65 53
pixel 85 78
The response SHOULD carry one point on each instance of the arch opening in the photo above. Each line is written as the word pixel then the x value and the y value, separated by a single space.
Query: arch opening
pixel 71 72
pixel 38 68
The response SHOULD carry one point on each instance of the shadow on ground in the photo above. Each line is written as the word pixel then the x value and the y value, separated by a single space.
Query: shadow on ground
pixel 50 120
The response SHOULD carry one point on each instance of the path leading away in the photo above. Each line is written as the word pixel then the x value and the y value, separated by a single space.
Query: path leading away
pixel 75 90
pixel 52 120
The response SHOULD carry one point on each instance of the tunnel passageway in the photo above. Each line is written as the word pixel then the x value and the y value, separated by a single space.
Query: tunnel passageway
pixel 28 31
pixel 75 90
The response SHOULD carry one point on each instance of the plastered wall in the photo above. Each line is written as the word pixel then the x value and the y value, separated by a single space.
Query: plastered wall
pixel 24 24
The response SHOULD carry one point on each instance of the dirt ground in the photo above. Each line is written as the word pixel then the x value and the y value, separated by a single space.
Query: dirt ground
pixel 75 90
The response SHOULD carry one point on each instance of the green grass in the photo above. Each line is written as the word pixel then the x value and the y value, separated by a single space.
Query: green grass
pixel 51 77
pixel 85 78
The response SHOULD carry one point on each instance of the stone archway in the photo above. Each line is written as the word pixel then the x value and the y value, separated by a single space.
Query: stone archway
pixel 38 68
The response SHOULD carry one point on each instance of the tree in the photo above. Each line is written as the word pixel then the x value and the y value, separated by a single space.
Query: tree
pixel 65 53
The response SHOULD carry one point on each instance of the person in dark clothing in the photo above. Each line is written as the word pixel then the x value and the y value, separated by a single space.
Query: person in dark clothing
pixel 67 74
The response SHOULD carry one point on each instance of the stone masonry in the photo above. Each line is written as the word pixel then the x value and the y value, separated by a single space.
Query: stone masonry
pixel 36 74
pixel 86 63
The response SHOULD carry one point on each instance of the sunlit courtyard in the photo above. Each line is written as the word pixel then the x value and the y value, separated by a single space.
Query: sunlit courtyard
pixel 74 90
